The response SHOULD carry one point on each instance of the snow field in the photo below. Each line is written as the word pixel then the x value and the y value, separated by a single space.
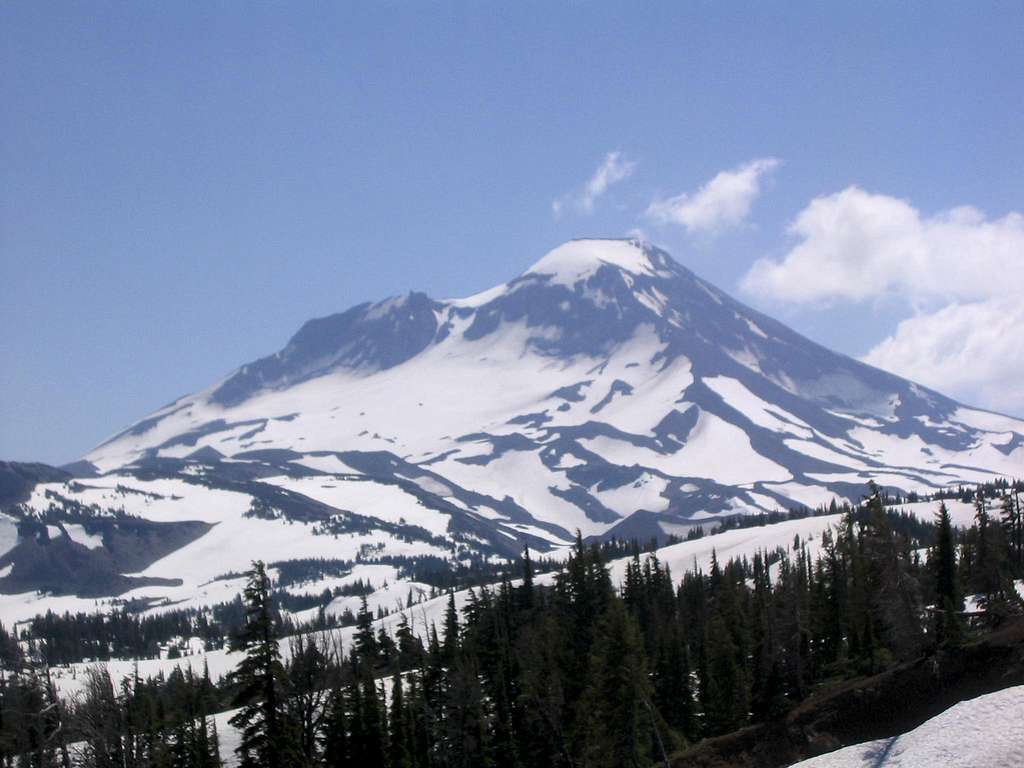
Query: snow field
pixel 715 450
pixel 231 545
pixel 978 733
pixel 178 500
pixel 366 497
pixel 760 412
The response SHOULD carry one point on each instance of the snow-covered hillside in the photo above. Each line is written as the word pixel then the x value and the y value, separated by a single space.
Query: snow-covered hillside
pixel 984 716
pixel 979 733
pixel 607 389
pixel 392 593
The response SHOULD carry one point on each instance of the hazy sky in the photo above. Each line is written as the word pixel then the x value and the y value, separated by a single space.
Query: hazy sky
pixel 183 184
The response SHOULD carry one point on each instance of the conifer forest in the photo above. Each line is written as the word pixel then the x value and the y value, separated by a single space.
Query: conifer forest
pixel 576 672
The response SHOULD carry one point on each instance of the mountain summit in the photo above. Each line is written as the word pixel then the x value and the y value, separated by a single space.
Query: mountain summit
pixel 580 259
pixel 374 337
pixel 607 389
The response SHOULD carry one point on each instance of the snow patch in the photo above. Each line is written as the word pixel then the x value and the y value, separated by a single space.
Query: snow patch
pixel 978 733
pixel 78 533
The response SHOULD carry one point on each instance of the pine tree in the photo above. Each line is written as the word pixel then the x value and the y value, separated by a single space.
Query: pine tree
pixel 399 737
pixel 526 589
pixel 1013 524
pixel 725 705
pixel 766 646
pixel 542 703
pixel 894 593
pixel 616 721
pixel 673 690
pixel 365 641
pixel 100 721
pixel 504 742
pixel 948 602
pixel 265 741
pixel 420 723
pixel 433 688
pixel 306 693
pixel 584 590
pixel 369 730
pixel 410 647
pixel 465 716
pixel 335 738
pixel 992 580
pixel 450 645
pixel 357 737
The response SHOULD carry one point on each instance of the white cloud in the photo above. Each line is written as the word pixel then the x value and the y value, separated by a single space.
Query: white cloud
pixel 974 351
pixel 723 202
pixel 855 245
pixel 611 171
pixel 961 272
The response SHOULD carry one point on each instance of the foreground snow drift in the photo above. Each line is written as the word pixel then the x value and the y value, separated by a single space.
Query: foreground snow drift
pixel 979 733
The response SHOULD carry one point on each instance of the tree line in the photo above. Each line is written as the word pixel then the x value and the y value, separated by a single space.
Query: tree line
pixel 579 673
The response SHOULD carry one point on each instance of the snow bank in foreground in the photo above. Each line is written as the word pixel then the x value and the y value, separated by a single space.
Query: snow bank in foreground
pixel 979 733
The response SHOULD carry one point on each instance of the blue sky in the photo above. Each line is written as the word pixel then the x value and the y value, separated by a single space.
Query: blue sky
pixel 184 185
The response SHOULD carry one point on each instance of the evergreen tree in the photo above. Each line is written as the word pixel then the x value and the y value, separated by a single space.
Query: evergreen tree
pixel 584 590
pixel 465 717
pixel 307 694
pixel 265 741
pixel 725 698
pixel 368 726
pixel 335 737
pixel 894 592
pixel 673 690
pixel 365 642
pixel 99 719
pixel 526 589
pixel 450 646
pixel 617 722
pixel 400 746
pixel 421 721
pixel 410 652
pixel 992 578
pixel 948 602
pixel 1012 518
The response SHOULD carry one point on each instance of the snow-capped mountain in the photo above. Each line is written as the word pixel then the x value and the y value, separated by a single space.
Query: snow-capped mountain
pixel 607 389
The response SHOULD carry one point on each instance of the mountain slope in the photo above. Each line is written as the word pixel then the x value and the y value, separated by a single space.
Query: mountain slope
pixel 607 389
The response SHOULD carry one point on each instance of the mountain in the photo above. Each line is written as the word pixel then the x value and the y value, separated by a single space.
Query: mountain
pixel 607 389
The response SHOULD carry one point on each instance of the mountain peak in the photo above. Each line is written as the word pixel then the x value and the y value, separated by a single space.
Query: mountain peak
pixel 607 389
pixel 578 259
